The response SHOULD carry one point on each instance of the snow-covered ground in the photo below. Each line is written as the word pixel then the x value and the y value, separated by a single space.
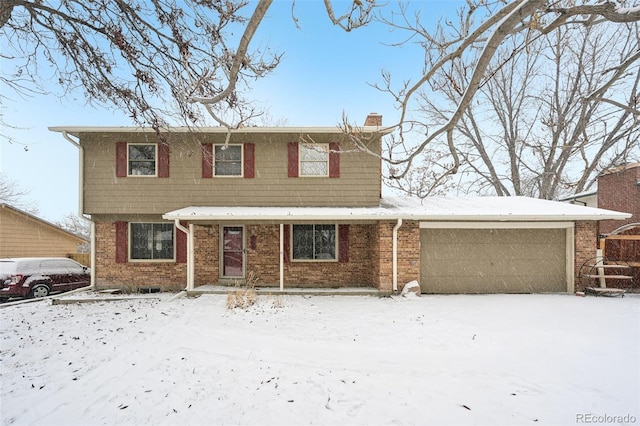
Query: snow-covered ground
pixel 493 359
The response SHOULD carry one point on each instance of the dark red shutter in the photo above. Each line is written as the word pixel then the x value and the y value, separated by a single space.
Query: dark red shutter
pixel 121 242
pixel 287 243
pixel 121 159
pixel 181 244
pixel 343 243
pixel 207 160
pixel 163 160
pixel 334 160
pixel 292 160
pixel 249 159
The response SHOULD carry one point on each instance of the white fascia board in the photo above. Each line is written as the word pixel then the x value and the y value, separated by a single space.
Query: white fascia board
pixel 495 225
pixel 76 130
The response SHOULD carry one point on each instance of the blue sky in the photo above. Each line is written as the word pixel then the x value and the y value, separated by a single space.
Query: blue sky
pixel 324 72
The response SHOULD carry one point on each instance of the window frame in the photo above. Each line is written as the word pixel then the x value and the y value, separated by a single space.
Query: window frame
pixel 214 160
pixel 155 166
pixel 314 147
pixel 130 243
pixel 336 243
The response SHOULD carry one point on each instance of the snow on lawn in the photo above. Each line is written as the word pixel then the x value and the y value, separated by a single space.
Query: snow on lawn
pixel 493 359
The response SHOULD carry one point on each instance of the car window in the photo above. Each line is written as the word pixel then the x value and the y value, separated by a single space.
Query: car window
pixel 55 266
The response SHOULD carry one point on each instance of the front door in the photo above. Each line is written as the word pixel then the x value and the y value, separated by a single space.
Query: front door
pixel 233 252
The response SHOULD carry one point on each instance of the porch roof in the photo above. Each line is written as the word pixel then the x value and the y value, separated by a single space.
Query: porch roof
pixel 485 209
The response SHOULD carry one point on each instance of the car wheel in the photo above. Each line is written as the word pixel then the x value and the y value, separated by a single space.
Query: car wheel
pixel 39 290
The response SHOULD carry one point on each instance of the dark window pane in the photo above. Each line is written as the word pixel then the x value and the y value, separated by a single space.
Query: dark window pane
pixel 228 160
pixel 303 241
pixel 152 241
pixel 325 242
pixel 142 160
pixel 314 242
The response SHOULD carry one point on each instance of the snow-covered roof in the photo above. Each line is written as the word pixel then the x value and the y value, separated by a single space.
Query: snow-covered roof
pixel 76 130
pixel 585 194
pixel 429 209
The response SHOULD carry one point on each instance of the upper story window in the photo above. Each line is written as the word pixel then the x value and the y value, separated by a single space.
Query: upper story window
pixel 141 159
pixel 314 159
pixel 314 242
pixel 151 241
pixel 227 160
pixel 317 159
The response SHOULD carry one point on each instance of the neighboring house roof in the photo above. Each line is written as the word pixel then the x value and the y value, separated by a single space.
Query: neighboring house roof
pixel 579 195
pixel 56 228
pixel 431 209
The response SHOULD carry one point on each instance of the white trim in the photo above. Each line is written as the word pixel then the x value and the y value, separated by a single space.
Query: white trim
pixel 325 147
pixel 281 256
pixel 130 235
pixel 570 259
pixel 335 243
pixel 155 168
pixel 77 130
pixel 241 175
pixel 437 210
pixel 495 225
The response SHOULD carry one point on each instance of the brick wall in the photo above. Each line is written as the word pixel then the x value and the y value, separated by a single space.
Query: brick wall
pixel 369 265
pixel 383 256
pixel 168 276
pixel 586 244
pixel 354 273
pixel 408 253
pixel 618 190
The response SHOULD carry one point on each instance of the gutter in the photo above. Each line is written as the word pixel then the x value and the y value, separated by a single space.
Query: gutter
pixel 395 254
pixel 81 205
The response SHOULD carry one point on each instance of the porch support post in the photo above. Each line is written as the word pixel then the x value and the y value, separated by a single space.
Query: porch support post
pixel 394 265
pixel 281 256
pixel 190 254
pixel 191 258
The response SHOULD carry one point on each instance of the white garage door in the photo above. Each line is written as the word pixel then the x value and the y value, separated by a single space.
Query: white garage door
pixel 493 260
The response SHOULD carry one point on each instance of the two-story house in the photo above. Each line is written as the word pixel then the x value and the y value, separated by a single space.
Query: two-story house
pixel 301 207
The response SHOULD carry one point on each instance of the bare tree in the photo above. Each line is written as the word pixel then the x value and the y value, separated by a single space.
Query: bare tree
pixel 12 194
pixel 529 130
pixel 76 224
pixel 469 56
pixel 161 61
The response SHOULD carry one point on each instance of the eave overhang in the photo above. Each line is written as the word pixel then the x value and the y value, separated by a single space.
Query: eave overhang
pixel 485 209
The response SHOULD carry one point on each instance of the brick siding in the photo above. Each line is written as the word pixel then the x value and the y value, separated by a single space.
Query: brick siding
pixel 168 276
pixel 619 190
pixel 586 244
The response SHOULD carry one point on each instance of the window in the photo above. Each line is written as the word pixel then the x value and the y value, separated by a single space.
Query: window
pixel 314 159
pixel 228 160
pixel 314 242
pixel 141 159
pixel 151 241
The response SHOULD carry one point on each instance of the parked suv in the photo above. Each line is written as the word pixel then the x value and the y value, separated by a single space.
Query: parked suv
pixel 39 276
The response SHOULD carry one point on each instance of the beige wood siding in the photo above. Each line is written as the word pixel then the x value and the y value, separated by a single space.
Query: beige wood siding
pixel 493 260
pixel 22 235
pixel 104 193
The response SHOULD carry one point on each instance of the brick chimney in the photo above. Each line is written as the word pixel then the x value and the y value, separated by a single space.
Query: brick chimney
pixel 373 119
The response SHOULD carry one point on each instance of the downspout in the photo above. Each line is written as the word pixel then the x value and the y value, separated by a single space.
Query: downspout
pixel 281 257
pixel 395 254
pixel 190 260
pixel 81 205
